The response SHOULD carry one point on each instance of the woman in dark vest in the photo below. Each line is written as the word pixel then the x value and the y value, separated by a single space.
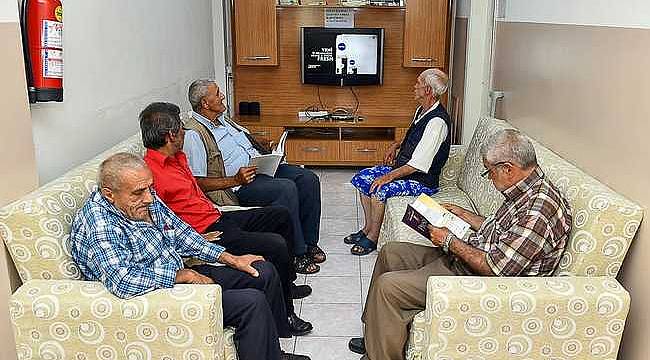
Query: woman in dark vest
pixel 411 167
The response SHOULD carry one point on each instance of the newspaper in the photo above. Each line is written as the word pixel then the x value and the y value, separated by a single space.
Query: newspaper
pixel 268 164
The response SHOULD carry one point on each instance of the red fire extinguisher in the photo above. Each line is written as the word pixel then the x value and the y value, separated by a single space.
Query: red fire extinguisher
pixel 42 30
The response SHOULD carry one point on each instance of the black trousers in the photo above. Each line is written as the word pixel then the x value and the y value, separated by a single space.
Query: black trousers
pixel 254 306
pixel 266 232
pixel 298 190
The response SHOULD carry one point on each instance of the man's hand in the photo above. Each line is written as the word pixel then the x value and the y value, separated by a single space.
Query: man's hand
pixel 189 276
pixel 389 157
pixel 241 263
pixel 385 179
pixel 246 175
pixel 454 209
pixel 437 235
pixel 469 217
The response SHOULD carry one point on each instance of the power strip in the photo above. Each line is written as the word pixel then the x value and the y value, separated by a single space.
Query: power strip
pixel 311 114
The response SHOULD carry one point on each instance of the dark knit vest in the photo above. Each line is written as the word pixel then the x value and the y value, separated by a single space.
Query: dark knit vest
pixel 412 139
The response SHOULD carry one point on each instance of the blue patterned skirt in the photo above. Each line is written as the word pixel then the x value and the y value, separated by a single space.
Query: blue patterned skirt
pixel 364 178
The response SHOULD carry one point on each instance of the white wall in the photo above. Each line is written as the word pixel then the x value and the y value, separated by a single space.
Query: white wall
pixel 8 10
pixel 477 66
pixel 219 42
pixel 119 56
pixel 617 13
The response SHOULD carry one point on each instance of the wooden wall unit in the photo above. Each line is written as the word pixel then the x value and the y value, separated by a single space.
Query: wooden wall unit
pixel 280 91
pixel 426 33
pixel 281 94
pixel 256 39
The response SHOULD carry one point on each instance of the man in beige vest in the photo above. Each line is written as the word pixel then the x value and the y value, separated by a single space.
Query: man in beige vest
pixel 219 151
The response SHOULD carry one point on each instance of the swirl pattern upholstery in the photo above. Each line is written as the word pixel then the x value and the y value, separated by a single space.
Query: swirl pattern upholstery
pixel 57 315
pixel 578 314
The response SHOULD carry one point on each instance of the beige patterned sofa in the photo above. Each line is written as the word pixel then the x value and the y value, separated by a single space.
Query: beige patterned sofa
pixel 56 315
pixel 578 314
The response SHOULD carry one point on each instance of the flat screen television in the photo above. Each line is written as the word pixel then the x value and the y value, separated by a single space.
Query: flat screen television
pixel 342 56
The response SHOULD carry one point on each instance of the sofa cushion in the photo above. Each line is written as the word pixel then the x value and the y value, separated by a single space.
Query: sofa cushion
pixel 36 228
pixel 604 222
pixel 393 229
pixel 484 196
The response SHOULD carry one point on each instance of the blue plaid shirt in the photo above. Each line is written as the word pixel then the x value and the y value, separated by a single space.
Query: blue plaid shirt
pixel 134 257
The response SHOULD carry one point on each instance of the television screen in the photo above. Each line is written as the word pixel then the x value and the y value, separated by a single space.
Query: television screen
pixel 342 56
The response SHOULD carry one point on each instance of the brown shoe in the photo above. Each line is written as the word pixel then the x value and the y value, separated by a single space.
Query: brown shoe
pixel 317 254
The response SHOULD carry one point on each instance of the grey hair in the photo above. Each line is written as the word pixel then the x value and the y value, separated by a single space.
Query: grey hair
pixel 437 80
pixel 110 170
pixel 509 145
pixel 198 90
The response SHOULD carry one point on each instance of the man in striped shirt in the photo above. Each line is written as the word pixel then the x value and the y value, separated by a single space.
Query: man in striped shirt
pixel 525 237
pixel 126 238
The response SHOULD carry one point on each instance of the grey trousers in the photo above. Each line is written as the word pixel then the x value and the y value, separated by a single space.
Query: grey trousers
pixel 397 293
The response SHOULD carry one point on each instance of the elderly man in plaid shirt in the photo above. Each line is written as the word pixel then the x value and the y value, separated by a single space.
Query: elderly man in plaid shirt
pixel 525 237
pixel 125 237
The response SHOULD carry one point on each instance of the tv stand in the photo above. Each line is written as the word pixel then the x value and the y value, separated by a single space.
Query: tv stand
pixel 330 142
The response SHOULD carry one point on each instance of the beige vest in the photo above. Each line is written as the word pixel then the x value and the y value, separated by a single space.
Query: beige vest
pixel 214 163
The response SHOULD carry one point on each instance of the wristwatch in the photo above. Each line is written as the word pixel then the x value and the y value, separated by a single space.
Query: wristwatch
pixel 446 242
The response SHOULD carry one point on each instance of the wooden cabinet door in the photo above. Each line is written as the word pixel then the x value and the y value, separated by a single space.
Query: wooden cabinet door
pixel 256 37
pixel 425 33
pixel 312 151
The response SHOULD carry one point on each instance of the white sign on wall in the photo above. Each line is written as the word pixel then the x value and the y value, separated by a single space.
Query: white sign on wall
pixel 339 17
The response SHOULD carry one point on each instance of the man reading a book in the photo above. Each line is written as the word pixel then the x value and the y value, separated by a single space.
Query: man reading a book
pixel 525 237
pixel 411 167
pixel 219 152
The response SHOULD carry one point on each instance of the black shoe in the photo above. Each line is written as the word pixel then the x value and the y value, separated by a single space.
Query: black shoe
pixel 298 326
pixel 300 291
pixel 288 356
pixel 357 345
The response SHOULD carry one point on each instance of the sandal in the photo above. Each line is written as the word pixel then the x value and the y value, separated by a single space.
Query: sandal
pixel 363 247
pixel 317 254
pixel 354 237
pixel 305 265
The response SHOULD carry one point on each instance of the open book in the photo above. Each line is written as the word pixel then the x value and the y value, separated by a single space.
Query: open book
pixel 424 211
pixel 268 164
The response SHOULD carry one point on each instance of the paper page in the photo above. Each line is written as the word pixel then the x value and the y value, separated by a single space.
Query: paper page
pixel 439 216
pixel 266 164
pixel 279 149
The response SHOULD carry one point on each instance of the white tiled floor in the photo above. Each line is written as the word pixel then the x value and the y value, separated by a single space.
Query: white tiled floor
pixel 335 306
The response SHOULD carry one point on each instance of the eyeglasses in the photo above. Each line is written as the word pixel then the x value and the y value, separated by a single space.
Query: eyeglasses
pixel 487 171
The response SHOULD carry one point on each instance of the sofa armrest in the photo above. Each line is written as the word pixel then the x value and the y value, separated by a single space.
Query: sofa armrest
pixel 453 166
pixel 66 319
pixel 499 318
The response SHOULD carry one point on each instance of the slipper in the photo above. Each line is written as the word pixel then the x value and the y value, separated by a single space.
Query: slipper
pixel 354 237
pixel 363 247
pixel 357 345
pixel 317 254
pixel 305 265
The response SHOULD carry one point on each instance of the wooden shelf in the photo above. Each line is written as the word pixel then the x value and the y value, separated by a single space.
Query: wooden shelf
pixel 319 142
pixel 342 6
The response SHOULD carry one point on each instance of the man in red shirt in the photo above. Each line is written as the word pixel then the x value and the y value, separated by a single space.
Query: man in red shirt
pixel 261 231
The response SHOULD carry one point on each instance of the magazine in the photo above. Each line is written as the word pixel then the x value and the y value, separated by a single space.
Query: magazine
pixel 268 164
pixel 424 211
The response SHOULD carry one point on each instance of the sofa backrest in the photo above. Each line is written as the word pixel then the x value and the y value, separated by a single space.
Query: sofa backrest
pixel 604 222
pixel 36 228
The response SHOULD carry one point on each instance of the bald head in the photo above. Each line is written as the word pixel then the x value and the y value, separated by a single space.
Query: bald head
pixel 111 170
